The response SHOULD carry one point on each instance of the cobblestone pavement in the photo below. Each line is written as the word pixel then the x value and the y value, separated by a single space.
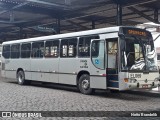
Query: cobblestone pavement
pixel 39 97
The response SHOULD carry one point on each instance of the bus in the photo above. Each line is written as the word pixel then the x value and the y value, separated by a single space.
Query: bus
pixel 156 38
pixel 115 58
pixel 0 54
pixel 158 57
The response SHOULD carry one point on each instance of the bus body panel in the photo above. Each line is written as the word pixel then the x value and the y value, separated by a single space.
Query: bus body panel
pixel 144 80
pixel 98 82
pixel 67 35
pixel 68 68
pixel 122 85
pixel 104 36
pixel 12 66
pixel 26 67
pixel 45 69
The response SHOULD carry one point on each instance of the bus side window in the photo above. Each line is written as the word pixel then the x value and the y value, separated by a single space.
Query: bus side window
pixel 38 49
pixel 68 47
pixel 25 50
pixel 52 48
pixel 64 50
pixel 6 51
pixel 15 51
pixel 84 45
pixel 95 49
pixel 72 47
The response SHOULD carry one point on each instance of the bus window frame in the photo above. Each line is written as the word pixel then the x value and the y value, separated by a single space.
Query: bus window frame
pixel 32 54
pixel 74 48
pixel 104 61
pixel 19 51
pixel 96 36
pixel 8 51
pixel 23 43
pixel 58 49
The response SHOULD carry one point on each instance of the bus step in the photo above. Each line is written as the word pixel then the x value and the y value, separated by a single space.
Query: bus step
pixel 113 88
pixel 113 84
pixel 112 77
pixel 113 80
pixel 113 74
pixel 112 71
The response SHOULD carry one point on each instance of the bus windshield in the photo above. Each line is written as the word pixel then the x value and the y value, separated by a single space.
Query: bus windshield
pixel 138 54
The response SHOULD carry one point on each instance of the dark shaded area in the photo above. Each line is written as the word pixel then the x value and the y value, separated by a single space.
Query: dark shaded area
pixel 31 18
pixel 121 95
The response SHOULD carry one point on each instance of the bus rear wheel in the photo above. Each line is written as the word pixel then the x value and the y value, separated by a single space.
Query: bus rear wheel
pixel 21 78
pixel 84 84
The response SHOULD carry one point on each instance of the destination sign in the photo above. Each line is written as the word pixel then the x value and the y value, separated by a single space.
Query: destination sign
pixel 136 32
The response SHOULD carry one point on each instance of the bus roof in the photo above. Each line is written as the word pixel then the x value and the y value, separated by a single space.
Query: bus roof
pixel 65 35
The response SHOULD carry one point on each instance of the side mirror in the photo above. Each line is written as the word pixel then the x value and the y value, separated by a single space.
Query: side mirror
pixel 122 39
pixel 121 35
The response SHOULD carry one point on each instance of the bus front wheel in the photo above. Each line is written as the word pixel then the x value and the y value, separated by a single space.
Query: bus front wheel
pixel 21 78
pixel 84 84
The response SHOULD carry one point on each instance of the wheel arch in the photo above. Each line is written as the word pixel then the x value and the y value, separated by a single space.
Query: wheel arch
pixel 19 69
pixel 80 73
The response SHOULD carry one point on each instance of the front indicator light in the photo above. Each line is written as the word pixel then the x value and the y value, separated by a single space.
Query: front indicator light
pixel 125 79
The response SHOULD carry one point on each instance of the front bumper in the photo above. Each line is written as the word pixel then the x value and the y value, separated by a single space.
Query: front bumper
pixel 143 85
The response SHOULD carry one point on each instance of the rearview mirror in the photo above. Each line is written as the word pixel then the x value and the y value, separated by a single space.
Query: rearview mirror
pixel 121 35
pixel 122 41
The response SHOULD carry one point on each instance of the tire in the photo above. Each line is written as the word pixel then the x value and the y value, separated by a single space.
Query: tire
pixel 21 78
pixel 84 85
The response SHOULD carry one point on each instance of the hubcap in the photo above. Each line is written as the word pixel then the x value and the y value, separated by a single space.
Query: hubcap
pixel 85 84
pixel 20 78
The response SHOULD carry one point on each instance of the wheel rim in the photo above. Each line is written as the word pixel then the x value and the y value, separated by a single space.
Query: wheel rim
pixel 20 78
pixel 85 84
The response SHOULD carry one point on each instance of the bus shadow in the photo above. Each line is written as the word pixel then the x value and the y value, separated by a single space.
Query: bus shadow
pixel 50 86
pixel 125 95
pixel 129 95
pixel 62 87
pixel 144 93
pixel 119 96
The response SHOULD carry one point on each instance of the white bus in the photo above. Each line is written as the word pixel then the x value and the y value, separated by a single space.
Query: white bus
pixel 0 54
pixel 115 58
pixel 156 38
pixel 158 56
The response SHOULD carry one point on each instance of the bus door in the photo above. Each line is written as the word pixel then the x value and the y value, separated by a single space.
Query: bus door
pixel 97 65
pixel 112 63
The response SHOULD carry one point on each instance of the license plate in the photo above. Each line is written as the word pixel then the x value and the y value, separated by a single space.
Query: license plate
pixel 144 86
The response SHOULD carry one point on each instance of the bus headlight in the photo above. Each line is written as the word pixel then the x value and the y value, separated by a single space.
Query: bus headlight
pixel 156 80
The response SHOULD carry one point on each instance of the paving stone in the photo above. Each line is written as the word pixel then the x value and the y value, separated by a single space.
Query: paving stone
pixel 38 97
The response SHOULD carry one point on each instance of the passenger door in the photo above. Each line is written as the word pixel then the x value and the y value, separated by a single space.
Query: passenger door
pixel 97 66
pixel 112 63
